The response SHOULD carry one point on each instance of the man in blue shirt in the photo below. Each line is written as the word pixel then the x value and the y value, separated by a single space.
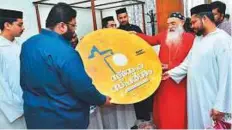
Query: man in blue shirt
pixel 57 92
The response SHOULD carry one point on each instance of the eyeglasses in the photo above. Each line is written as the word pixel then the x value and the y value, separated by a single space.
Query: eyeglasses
pixel 73 25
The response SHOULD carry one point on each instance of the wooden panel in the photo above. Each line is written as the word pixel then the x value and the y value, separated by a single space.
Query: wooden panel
pixel 38 17
pixel 93 15
pixel 143 19
pixel 164 9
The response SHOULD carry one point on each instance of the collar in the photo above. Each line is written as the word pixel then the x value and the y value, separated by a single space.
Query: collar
pixel 6 42
pixel 122 26
pixel 51 33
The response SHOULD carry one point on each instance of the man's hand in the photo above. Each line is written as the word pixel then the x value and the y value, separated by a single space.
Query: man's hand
pixel 108 103
pixel 216 115
pixel 164 66
pixel 165 76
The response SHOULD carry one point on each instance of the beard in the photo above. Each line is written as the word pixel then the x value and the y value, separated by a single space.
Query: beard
pixel 124 23
pixel 199 32
pixel 175 37
pixel 75 41
pixel 68 35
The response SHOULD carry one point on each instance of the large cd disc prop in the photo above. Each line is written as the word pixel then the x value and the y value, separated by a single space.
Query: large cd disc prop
pixel 121 65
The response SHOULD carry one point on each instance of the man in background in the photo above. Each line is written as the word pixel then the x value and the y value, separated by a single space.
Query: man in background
pixel 123 20
pixel 108 22
pixel 219 10
pixel 11 102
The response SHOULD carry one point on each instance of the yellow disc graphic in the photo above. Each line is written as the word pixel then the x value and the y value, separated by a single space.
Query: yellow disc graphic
pixel 122 65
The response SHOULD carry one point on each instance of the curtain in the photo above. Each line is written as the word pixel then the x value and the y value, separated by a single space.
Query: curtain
pixel 135 13
pixel 188 4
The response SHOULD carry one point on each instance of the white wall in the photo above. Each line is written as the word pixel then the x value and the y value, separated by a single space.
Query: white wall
pixel 188 4
pixel 84 19
pixel 29 16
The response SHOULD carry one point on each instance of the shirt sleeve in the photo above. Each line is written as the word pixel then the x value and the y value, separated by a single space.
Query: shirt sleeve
pixel 152 40
pixel 224 64
pixel 178 73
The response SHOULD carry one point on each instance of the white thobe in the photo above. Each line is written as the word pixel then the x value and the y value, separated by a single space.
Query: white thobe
pixel 11 102
pixel 208 69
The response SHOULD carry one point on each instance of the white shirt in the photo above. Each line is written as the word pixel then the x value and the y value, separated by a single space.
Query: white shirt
pixel 11 102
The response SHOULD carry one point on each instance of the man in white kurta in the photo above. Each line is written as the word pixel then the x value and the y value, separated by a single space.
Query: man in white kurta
pixel 11 103
pixel 208 69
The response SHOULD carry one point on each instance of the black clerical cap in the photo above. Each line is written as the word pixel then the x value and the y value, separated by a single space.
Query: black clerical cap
pixel 200 9
pixel 177 15
pixel 109 18
pixel 4 13
pixel 122 10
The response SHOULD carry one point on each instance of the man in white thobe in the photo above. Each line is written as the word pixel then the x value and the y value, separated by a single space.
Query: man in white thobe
pixel 11 102
pixel 208 69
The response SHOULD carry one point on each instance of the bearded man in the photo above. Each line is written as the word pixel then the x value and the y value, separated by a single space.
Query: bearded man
pixel 169 105
pixel 57 91
pixel 208 69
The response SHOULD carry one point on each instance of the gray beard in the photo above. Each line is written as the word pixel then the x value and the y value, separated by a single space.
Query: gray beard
pixel 176 36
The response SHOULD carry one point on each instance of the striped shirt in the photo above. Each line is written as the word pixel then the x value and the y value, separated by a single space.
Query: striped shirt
pixel 226 26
